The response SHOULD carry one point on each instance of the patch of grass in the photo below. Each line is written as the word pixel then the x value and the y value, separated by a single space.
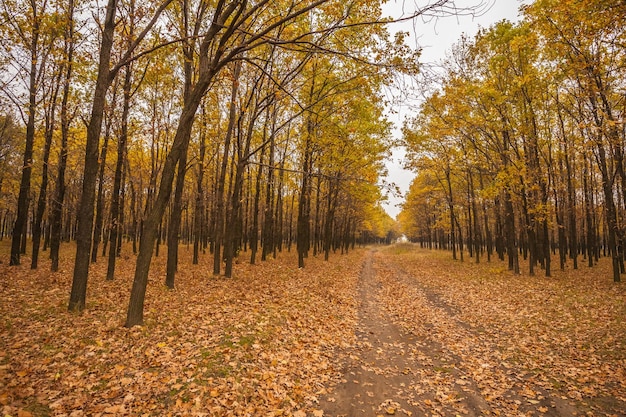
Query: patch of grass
pixel 101 385
pixel 38 409
pixel 401 248
pixel 246 341
pixel 7 325
pixel 50 349
pixel 556 384
pixel 213 364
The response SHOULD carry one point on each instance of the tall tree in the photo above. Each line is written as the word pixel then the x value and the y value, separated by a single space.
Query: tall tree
pixel 66 118
pixel 106 74
pixel 27 27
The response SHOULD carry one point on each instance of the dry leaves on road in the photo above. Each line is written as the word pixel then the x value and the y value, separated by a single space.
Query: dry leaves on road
pixel 523 338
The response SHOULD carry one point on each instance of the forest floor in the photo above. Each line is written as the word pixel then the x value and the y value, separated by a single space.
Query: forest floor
pixel 437 337
pixel 383 331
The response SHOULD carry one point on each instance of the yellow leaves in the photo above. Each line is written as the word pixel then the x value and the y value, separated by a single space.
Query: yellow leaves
pixel 4 398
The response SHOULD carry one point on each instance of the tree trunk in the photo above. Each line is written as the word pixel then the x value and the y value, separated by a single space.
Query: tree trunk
pixel 117 181
pixel 268 227
pixel 254 233
pixel 85 215
pixel 175 219
pixel 303 227
pixel 221 182
pixel 199 208
pixel 43 188
pixel 449 197
pixel 181 141
pixel 19 237
pixel 99 220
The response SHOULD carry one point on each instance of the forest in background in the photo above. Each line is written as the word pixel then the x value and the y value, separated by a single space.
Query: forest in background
pixel 519 151
pixel 229 126
pixel 254 128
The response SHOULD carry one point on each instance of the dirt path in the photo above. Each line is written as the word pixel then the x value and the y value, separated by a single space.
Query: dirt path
pixel 393 371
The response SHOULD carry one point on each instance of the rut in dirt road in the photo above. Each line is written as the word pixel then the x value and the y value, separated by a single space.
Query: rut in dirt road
pixel 385 372
pixel 393 371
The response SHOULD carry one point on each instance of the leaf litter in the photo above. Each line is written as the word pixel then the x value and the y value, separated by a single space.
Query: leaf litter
pixel 280 341
pixel 261 343
pixel 531 345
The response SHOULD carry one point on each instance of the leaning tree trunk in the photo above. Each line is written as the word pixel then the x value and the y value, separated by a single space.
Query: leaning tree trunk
pixel 151 224
pixel 181 141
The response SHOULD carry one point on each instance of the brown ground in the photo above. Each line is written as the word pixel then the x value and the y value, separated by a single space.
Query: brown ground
pixel 416 355
pixel 397 330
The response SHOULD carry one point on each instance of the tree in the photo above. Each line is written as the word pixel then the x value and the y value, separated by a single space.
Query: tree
pixel 66 119
pixel 587 49
pixel 33 36
pixel 104 79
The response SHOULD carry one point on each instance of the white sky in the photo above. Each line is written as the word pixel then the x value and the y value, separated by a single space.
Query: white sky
pixel 435 37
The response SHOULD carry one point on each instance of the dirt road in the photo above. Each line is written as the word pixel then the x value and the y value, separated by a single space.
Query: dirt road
pixel 414 368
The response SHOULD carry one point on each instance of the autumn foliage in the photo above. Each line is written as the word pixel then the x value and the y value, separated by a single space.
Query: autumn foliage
pixel 519 148
pixel 187 170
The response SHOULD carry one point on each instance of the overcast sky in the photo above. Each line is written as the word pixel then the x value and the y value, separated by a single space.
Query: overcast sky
pixel 436 37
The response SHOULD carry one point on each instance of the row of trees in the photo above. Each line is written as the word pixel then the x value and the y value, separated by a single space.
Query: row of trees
pixel 234 125
pixel 520 152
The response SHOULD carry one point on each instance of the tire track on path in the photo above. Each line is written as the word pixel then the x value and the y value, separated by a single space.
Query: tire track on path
pixel 415 356
pixel 508 389
pixel 392 372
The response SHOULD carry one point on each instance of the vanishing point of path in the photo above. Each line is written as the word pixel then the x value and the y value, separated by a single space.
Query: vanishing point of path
pixel 395 371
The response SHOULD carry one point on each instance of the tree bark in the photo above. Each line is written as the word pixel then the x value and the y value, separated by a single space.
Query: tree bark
pixel 199 208
pixel 175 219
pixel 221 182
pixel 43 188
pixel 85 215
pixel 19 237
pixel 117 180
pixel 181 140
